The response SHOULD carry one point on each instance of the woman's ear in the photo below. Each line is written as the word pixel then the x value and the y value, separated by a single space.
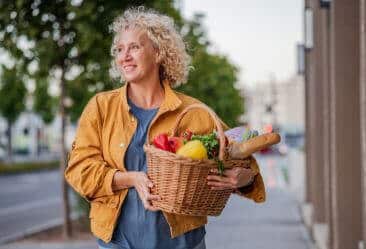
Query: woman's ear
pixel 158 56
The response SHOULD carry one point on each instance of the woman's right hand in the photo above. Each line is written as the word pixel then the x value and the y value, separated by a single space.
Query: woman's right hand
pixel 143 187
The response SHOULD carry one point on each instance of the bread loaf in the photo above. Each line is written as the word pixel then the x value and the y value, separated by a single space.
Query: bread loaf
pixel 242 150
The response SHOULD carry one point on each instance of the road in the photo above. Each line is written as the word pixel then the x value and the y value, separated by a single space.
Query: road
pixel 29 202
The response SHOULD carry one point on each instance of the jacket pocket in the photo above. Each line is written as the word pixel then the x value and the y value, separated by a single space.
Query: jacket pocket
pixel 110 201
pixel 106 204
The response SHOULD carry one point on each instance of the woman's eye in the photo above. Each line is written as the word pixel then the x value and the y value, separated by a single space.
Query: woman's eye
pixel 135 47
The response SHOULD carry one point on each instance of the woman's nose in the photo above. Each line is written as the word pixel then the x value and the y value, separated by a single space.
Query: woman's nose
pixel 126 55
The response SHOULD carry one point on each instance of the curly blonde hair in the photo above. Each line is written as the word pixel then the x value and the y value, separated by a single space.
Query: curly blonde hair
pixel 161 30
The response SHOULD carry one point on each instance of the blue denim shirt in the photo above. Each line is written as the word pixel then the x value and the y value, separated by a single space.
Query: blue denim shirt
pixel 137 227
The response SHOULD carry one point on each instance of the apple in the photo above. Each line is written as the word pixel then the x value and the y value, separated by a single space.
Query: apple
pixel 187 135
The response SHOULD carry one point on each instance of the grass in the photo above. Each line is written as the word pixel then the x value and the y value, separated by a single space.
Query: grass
pixel 24 167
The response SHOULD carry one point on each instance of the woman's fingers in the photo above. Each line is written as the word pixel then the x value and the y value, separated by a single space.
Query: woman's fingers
pixel 216 171
pixel 149 183
pixel 218 178
pixel 151 197
pixel 219 184
pixel 144 190
pixel 147 202
pixel 220 188
pixel 147 198
pixel 150 207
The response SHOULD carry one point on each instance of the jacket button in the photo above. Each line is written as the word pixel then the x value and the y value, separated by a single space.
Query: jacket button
pixel 133 119
pixel 122 145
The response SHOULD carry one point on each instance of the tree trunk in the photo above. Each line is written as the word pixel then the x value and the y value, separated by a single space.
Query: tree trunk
pixel 38 137
pixel 63 159
pixel 9 145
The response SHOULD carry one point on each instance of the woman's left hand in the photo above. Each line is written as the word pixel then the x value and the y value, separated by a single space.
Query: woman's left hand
pixel 231 179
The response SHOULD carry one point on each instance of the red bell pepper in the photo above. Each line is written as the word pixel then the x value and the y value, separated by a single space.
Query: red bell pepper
pixel 176 143
pixel 161 141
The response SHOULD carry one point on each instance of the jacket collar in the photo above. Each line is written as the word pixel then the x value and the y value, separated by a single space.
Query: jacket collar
pixel 171 100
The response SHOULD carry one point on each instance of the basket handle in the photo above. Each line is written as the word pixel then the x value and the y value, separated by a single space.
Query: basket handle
pixel 213 115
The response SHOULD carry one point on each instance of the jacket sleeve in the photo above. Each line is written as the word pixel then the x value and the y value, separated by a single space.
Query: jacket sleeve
pixel 255 191
pixel 87 172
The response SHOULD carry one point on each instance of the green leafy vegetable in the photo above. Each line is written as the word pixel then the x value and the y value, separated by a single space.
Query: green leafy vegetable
pixel 220 167
pixel 248 134
pixel 211 143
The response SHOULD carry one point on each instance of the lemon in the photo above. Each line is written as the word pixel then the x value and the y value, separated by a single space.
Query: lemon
pixel 193 149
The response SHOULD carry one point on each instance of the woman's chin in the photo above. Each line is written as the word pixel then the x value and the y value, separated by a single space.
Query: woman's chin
pixel 131 78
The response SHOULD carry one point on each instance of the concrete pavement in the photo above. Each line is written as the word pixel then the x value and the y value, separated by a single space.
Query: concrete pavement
pixel 67 245
pixel 274 224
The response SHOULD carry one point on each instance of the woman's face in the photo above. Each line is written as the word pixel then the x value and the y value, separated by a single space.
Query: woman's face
pixel 135 55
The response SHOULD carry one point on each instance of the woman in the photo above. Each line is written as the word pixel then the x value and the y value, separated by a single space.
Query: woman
pixel 107 163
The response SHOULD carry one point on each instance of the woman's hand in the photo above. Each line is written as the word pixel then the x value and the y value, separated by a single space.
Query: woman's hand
pixel 231 179
pixel 143 185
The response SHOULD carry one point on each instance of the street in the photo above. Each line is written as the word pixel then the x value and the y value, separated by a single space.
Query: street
pixel 29 202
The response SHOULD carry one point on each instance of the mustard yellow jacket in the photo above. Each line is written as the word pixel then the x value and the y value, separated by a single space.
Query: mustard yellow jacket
pixel 104 132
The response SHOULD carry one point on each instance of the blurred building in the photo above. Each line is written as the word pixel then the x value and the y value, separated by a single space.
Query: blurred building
pixel 32 139
pixel 335 93
pixel 280 104
pixel 28 137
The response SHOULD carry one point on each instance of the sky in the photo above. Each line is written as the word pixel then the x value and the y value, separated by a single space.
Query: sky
pixel 259 36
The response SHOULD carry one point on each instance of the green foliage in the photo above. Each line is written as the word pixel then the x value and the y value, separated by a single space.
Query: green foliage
pixel 44 104
pixel 13 168
pixel 66 36
pixel 213 77
pixel 12 94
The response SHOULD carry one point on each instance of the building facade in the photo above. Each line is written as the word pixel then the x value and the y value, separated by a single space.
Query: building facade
pixel 32 139
pixel 335 94
pixel 279 103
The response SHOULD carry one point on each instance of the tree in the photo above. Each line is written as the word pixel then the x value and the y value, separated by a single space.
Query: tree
pixel 44 103
pixel 213 77
pixel 69 43
pixel 12 97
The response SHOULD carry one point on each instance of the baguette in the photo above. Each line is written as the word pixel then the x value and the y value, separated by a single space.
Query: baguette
pixel 242 150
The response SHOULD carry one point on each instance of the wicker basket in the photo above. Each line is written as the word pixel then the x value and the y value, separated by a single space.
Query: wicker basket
pixel 181 181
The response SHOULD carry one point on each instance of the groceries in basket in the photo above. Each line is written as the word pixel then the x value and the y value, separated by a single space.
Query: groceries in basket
pixel 178 165
pixel 251 142
pixel 241 143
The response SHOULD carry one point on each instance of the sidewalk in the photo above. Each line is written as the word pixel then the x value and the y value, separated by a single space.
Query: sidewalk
pixel 246 225
pixel 67 245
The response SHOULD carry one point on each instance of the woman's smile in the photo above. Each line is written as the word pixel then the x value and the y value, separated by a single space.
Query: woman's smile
pixel 129 68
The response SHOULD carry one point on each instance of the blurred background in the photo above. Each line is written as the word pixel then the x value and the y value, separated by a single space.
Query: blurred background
pixel 296 67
